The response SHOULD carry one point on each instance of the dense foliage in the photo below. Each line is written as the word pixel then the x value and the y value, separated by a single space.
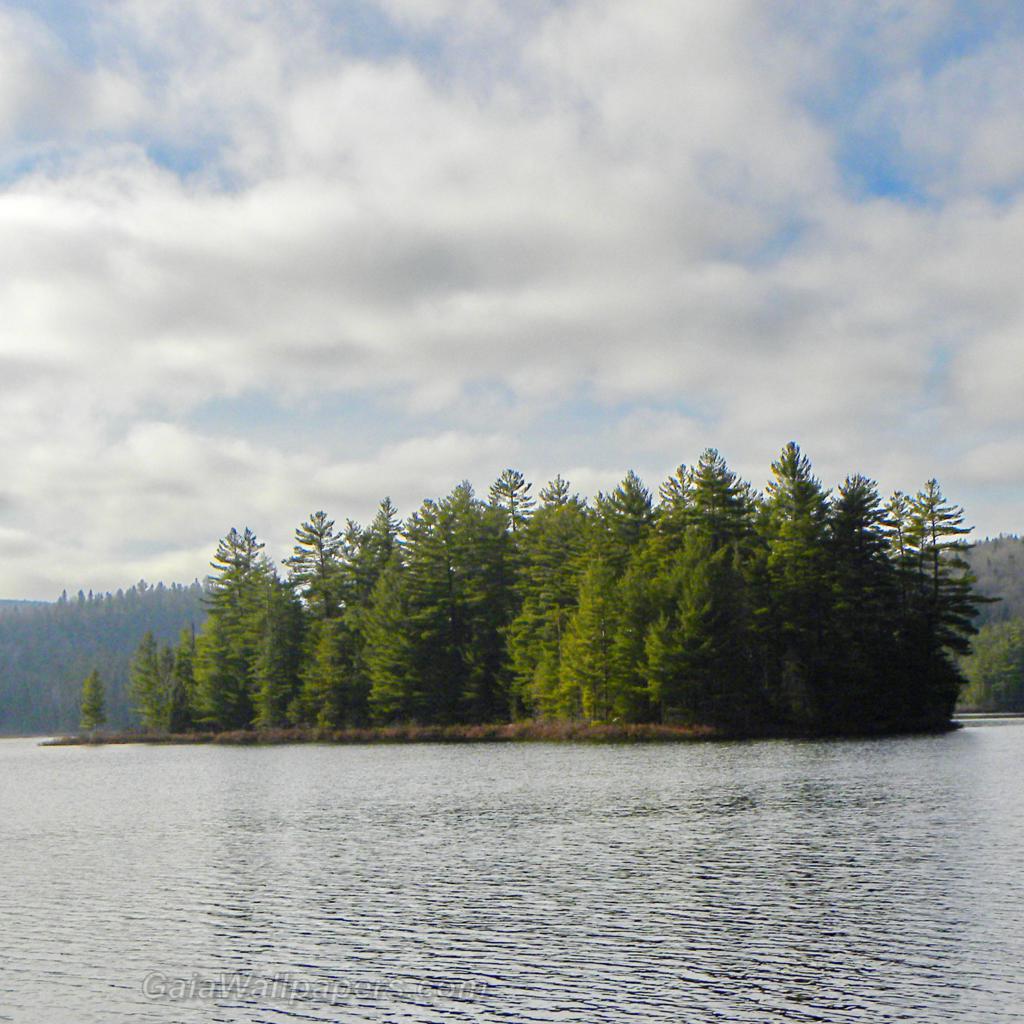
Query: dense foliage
pixel 995 668
pixel 795 609
pixel 93 702
pixel 48 649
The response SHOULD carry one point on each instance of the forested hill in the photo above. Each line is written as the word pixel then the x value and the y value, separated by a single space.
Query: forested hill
pixel 998 563
pixel 46 650
pixel 995 667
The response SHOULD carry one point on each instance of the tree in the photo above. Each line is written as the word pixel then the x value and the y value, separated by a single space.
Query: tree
pixel 182 715
pixel 332 691
pixel 92 706
pixel 510 493
pixel 314 566
pixel 995 668
pixel 151 682
pixel 794 525
pixel 550 560
pixel 275 671
pixel 698 656
pixel 864 606
pixel 395 688
pixel 719 501
pixel 626 515
pixel 235 633
pixel 587 684
pixel 943 604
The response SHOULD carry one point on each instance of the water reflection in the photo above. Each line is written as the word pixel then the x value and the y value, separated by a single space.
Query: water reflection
pixel 742 882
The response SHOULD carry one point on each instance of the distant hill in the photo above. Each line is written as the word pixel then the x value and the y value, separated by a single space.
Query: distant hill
pixel 47 649
pixel 7 605
pixel 999 565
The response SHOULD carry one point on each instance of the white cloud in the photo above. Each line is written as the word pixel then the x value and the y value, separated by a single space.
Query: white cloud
pixel 576 214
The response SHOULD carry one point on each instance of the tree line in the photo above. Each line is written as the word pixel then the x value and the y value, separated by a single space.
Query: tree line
pixel 47 648
pixel 795 608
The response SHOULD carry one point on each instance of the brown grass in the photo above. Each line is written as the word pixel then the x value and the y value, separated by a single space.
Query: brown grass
pixel 560 731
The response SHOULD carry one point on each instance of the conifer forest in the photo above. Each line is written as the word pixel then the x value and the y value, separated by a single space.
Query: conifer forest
pixel 795 609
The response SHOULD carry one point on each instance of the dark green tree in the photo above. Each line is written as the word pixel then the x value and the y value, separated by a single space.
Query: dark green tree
pixel 315 565
pixel 510 493
pixel 182 715
pixel 151 680
pixel 588 681
pixel 93 703
pixel 794 527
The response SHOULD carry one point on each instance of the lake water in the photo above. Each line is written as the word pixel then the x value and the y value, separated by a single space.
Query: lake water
pixel 770 881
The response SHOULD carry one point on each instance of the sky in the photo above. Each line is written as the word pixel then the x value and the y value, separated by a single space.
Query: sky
pixel 261 258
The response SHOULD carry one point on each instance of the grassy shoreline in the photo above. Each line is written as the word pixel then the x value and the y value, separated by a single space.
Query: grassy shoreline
pixel 508 732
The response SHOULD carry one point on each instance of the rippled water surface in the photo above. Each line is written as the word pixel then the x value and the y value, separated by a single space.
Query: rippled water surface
pixel 847 881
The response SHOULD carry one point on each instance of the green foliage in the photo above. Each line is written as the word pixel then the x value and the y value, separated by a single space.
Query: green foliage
pixel 182 713
pixel 550 558
pixel 93 703
pixel 588 683
pixel 315 565
pixel 995 668
pixel 795 610
pixel 48 648
pixel 698 658
pixel 510 494
pixel 152 679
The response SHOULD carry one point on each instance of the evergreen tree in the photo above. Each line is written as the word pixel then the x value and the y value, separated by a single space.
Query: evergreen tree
pixel 315 565
pixel 944 604
pixel 551 557
pixel 510 493
pixel 182 715
pixel 588 682
pixel 698 657
pixel 794 526
pixel 626 514
pixel 151 678
pixel 235 633
pixel 395 687
pixel 93 703
pixel 719 501
pixel 332 691
pixel 275 671
pixel 863 610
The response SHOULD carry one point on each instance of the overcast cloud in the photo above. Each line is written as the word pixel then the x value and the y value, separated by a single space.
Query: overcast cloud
pixel 258 259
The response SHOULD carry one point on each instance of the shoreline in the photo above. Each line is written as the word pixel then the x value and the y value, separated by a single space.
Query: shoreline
pixel 508 732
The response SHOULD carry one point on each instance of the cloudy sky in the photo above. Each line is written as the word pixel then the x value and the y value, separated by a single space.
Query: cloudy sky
pixel 259 257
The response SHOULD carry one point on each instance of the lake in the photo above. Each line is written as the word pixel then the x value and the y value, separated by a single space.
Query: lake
pixel 762 881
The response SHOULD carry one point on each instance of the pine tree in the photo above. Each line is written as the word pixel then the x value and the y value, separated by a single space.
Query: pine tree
pixel 93 704
pixel 510 493
pixel 626 514
pixel 864 607
pixel 234 635
pixel 794 527
pixel 698 655
pixel 719 501
pixel 151 679
pixel 182 715
pixel 332 690
pixel 551 557
pixel 587 684
pixel 944 604
pixel 395 690
pixel 275 672
pixel 315 565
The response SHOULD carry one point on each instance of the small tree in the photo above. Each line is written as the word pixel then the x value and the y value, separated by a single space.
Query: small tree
pixel 93 713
